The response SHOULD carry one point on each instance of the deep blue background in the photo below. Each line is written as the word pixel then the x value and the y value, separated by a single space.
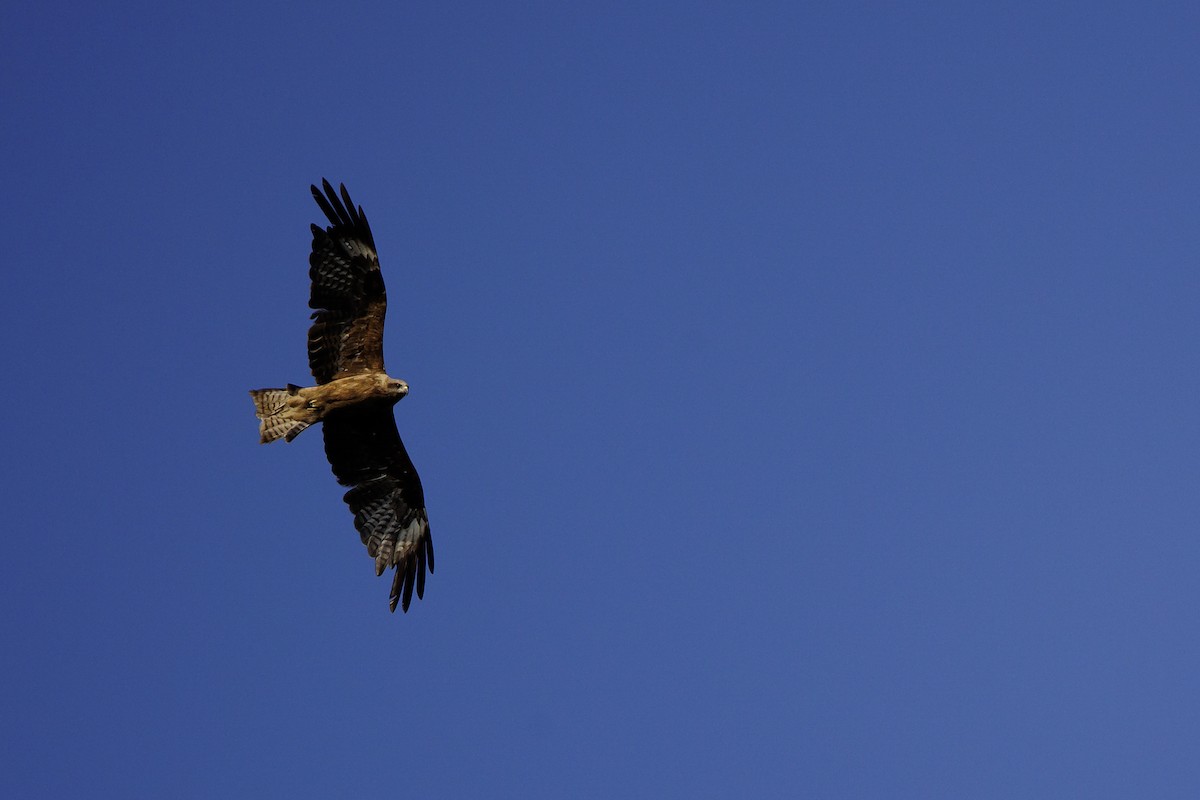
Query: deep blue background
pixel 805 396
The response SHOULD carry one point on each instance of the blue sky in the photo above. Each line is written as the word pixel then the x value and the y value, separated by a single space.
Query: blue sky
pixel 805 397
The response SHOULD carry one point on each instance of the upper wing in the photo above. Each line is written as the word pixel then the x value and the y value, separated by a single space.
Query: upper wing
pixel 365 450
pixel 346 337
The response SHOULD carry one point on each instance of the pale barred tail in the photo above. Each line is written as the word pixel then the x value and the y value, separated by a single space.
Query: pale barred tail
pixel 270 406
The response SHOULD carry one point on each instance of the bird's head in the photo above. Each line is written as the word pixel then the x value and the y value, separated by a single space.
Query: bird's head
pixel 397 388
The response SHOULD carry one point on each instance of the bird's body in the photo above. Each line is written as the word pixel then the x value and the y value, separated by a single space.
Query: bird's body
pixel 353 398
pixel 284 413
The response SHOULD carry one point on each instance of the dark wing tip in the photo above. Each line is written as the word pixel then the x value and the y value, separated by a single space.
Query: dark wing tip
pixel 421 570
pixel 326 208
pixel 403 584
pixel 410 576
pixel 410 567
pixel 394 599
pixel 349 205
pixel 341 211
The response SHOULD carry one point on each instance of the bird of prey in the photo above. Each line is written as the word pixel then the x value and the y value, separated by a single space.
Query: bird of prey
pixel 354 396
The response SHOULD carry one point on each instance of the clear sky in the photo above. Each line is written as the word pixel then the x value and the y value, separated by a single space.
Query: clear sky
pixel 806 398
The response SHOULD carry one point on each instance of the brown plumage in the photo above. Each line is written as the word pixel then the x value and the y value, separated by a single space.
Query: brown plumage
pixel 354 396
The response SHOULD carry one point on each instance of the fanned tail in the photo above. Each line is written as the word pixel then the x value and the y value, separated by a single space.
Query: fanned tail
pixel 270 406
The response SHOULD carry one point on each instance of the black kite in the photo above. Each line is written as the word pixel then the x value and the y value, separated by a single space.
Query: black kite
pixel 354 396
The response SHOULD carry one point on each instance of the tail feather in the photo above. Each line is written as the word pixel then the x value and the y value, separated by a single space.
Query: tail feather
pixel 270 406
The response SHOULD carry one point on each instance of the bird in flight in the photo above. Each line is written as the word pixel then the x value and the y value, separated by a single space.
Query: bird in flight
pixel 353 398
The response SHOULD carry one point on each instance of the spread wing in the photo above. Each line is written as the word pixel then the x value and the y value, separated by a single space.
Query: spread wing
pixel 346 337
pixel 366 453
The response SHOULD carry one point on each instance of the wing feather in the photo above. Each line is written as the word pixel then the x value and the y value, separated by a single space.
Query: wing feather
pixel 348 294
pixel 366 453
